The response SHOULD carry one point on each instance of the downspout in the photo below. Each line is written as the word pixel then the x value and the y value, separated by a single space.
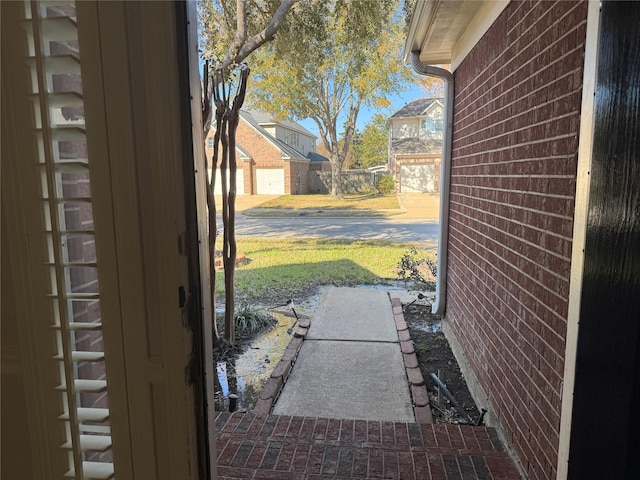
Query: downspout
pixel 445 176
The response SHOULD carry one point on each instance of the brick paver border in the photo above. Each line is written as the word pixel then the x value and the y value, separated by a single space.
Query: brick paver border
pixel 419 396
pixel 278 377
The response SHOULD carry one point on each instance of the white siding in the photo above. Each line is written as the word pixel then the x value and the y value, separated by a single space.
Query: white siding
pixel 405 128
pixel 305 144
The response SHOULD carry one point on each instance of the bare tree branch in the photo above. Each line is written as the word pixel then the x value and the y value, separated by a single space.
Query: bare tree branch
pixel 241 29
pixel 266 35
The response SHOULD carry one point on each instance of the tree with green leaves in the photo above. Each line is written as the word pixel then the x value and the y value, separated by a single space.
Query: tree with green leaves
pixel 370 147
pixel 329 60
pixel 230 30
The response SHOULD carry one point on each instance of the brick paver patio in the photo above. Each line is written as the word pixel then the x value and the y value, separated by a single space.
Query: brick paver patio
pixel 303 448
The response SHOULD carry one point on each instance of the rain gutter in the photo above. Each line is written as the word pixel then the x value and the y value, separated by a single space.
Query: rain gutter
pixel 445 175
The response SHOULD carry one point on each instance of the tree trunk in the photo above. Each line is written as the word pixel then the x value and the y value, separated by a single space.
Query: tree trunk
pixel 229 118
pixel 213 235
pixel 336 180
pixel 211 201
pixel 229 324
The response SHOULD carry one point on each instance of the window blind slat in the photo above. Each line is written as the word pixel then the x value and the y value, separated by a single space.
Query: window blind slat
pixel 55 29
pixel 62 99
pixel 89 415
pixel 94 470
pixel 58 64
pixel 83 356
pixel 64 177
pixel 93 443
pixel 86 386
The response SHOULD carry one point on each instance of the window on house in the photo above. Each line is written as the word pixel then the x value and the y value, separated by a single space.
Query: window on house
pixel 291 138
pixel 74 300
pixel 431 125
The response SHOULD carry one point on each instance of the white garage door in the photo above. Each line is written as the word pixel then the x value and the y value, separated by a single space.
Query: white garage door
pixel 217 189
pixel 416 178
pixel 270 181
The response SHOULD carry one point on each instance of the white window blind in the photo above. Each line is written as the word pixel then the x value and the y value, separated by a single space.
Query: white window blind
pixel 54 58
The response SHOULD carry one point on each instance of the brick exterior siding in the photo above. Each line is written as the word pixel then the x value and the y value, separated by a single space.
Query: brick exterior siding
pixel 319 167
pixel 260 149
pixel 296 178
pixel 266 155
pixel 515 142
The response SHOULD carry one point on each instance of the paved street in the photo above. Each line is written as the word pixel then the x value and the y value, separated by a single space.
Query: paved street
pixel 371 228
pixel 418 224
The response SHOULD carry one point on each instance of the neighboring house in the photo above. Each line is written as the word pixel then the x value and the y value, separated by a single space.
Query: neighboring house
pixel 538 253
pixel 415 145
pixel 273 156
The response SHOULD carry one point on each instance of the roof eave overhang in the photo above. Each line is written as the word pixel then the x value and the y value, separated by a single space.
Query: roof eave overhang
pixel 445 31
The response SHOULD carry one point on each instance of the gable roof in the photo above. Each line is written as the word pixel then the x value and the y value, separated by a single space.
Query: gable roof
pixel 316 157
pixel 287 151
pixel 264 118
pixel 243 152
pixel 417 107
pixel 415 146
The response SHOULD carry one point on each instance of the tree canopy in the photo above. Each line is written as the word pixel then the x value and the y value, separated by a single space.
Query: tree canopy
pixel 328 61
pixel 230 30
pixel 370 147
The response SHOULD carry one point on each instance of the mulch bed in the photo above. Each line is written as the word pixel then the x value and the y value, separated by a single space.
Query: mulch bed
pixel 434 354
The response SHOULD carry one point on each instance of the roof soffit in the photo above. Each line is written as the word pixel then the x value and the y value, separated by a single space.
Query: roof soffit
pixel 445 31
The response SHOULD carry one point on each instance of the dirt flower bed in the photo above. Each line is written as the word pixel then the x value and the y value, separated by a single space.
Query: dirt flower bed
pixel 435 355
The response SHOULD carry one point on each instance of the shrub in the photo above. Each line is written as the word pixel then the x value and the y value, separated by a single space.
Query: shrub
pixel 248 321
pixel 419 267
pixel 386 184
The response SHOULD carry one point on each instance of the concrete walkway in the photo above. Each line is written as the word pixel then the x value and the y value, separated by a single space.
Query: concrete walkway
pixel 350 365
pixel 345 412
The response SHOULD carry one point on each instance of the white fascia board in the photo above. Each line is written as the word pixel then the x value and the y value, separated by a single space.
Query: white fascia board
pixel 430 107
pixel 422 21
pixel 479 25
pixel 418 27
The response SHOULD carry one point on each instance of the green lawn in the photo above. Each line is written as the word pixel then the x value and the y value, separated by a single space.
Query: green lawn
pixel 288 268
pixel 324 202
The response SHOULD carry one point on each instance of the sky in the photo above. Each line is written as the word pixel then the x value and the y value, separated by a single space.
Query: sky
pixel 365 114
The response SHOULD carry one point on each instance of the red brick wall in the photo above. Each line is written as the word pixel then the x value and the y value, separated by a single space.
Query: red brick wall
pixel 319 166
pixel 296 177
pixel 253 143
pixel 249 169
pixel 264 154
pixel 515 141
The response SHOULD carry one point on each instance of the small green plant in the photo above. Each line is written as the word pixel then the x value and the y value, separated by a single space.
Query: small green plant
pixel 418 267
pixel 386 184
pixel 248 321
